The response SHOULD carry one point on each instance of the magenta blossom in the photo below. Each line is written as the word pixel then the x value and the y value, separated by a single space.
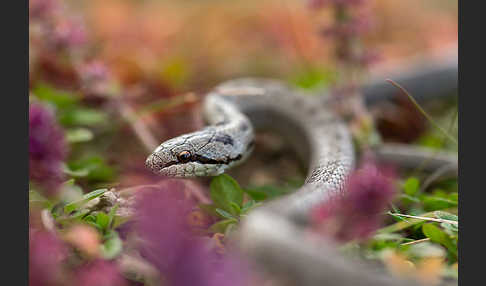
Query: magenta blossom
pixel 69 33
pixel 99 273
pixel 47 148
pixel 39 9
pixel 95 78
pixel 46 254
pixel 161 222
pixel 169 244
pixel 94 71
pixel 358 213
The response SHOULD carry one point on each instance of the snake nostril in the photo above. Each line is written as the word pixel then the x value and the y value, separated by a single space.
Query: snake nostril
pixel 153 162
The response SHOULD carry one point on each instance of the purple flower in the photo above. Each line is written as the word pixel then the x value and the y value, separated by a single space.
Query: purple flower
pixel 95 78
pixel 357 214
pixel 161 216
pixel 42 8
pixel 69 33
pixel 94 71
pixel 99 273
pixel 47 148
pixel 168 243
pixel 197 264
pixel 46 253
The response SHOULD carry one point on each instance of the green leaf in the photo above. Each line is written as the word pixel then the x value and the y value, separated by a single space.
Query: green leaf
pixel 407 198
pixel 236 208
pixel 248 206
pixel 454 197
pixel 83 117
pixel 79 214
pixel 261 193
pixel 398 218
pixel 224 190
pixel 437 235
pixel 112 214
pixel 450 228
pixel 411 186
pixel 103 220
pixel 112 246
pixel 97 169
pixel 432 203
pixel 256 194
pixel 220 226
pixel 225 214
pixel 388 236
pixel 446 215
pixel 60 99
pixel 90 218
pixel 410 223
pixel 86 198
pixel 69 182
pixel 79 135
pixel 75 217
pixel 75 173
pixel 119 220
pixel 95 225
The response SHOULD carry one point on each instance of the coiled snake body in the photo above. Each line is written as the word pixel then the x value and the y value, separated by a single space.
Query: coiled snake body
pixel 274 235
pixel 234 110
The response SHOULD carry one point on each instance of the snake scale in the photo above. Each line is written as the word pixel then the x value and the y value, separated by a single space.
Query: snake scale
pixel 235 109
pixel 274 235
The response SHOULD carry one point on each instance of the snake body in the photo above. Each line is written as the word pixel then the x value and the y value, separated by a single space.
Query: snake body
pixel 235 109
pixel 274 235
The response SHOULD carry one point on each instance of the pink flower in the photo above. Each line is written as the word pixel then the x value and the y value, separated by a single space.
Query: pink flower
pixel 94 71
pixel 46 254
pixel 69 33
pixel 47 148
pixel 168 243
pixel 95 78
pixel 42 8
pixel 357 214
pixel 99 273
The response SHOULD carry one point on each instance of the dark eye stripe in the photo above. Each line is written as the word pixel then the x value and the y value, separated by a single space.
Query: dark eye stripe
pixel 204 160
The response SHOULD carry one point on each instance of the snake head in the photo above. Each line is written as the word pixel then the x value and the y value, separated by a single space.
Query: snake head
pixel 202 153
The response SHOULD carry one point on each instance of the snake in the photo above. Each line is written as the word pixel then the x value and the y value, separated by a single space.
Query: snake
pixel 274 234
pixel 235 110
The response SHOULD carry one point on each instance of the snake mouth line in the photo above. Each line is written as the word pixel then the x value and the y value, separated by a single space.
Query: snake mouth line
pixel 202 160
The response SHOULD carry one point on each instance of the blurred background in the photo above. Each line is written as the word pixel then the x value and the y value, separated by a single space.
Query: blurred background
pixel 165 54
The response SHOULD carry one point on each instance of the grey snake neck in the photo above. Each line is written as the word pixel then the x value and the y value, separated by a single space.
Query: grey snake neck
pixel 317 133
pixel 234 110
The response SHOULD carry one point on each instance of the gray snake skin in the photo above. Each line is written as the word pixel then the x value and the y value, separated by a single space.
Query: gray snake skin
pixel 235 109
pixel 274 235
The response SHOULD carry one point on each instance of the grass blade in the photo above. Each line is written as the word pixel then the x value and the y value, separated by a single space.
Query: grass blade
pixel 444 132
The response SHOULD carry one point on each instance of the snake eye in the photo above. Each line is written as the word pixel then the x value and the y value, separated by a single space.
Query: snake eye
pixel 184 156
